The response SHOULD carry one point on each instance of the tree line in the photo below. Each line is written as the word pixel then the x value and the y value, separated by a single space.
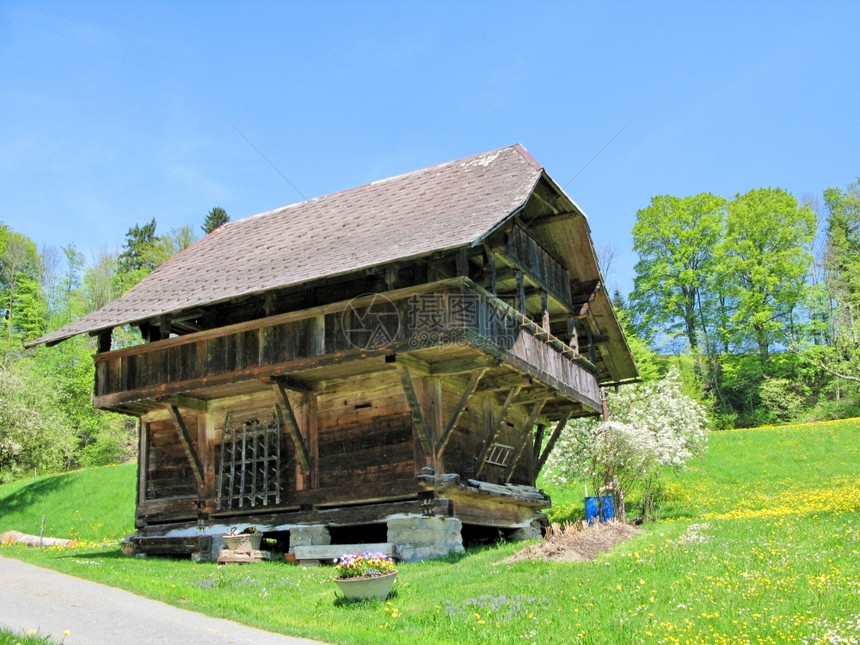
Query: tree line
pixel 758 296
pixel 47 421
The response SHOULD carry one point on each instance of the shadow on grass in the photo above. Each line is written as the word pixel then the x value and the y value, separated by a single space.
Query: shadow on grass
pixel 341 601
pixel 33 493
pixel 95 555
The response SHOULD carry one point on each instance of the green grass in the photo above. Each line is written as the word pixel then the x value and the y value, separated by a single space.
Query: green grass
pixel 8 637
pixel 759 542
pixel 90 505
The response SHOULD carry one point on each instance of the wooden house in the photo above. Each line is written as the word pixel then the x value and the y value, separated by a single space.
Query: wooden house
pixel 388 364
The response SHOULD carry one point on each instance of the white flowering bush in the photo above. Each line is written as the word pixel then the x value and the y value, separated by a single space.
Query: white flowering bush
pixel 651 425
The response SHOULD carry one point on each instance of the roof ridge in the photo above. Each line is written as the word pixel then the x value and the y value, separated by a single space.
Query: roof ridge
pixel 519 148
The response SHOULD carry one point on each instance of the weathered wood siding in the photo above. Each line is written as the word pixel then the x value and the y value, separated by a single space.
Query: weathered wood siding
pixel 365 432
pixel 168 471
pixel 476 427
pixel 287 343
pixel 529 256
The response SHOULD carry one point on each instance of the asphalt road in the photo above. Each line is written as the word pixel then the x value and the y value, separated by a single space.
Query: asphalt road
pixel 93 614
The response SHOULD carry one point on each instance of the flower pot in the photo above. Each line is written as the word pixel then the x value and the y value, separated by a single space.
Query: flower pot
pixel 361 588
pixel 244 541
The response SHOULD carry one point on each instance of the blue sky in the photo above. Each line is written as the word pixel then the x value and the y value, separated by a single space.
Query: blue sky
pixel 112 113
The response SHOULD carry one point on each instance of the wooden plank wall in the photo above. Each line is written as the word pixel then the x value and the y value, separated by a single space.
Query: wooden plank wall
pixel 364 432
pixel 530 256
pixel 169 472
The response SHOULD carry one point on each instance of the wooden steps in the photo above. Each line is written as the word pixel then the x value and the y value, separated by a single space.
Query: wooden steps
pixel 226 556
pixel 329 552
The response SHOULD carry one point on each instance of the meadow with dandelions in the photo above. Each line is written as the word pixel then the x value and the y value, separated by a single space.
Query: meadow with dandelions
pixel 758 541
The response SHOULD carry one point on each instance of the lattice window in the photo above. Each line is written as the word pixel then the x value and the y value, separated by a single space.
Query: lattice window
pixel 249 465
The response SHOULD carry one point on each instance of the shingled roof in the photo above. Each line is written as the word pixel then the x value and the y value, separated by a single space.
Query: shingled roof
pixel 441 207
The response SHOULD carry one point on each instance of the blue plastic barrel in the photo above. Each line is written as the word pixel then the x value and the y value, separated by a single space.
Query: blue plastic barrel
pixel 599 508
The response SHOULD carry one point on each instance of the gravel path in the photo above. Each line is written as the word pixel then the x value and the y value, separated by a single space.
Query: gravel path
pixel 94 614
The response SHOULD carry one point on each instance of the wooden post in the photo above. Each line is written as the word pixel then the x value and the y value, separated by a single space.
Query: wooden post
pixel 142 460
pixel 571 332
pixel 206 442
pixel 490 276
pixel 551 443
pixel 521 292
pixel 463 262
pixel 312 436
pixel 544 310
pixel 521 444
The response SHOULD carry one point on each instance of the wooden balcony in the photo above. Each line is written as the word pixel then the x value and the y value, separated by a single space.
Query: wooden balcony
pixel 443 327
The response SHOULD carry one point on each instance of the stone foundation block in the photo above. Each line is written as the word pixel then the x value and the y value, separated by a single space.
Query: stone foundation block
pixel 309 536
pixel 423 538
pixel 530 532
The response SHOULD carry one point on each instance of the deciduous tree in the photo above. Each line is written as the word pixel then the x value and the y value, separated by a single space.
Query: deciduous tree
pixel 842 282
pixel 675 239
pixel 651 425
pixel 765 262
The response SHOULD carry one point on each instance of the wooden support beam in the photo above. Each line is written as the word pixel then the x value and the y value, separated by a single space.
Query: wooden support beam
pixel 584 292
pixel 463 262
pixel 537 394
pixel 551 443
pixel 538 441
pixel 293 427
pixel 592 354
pixel 185 439
pixel 504 382
pixel 186 402
pixel 496 429
pixel 464 400
pixel 290 382
pixel 544 310
pixel 521 292
pixel 414 364
pixel 521 444
pixel 573 338
pixel 490 272
pixel 460 365
pixel 163 323
pixel 418 420
pixel 142 461
pixel 551 218
pixel 391 273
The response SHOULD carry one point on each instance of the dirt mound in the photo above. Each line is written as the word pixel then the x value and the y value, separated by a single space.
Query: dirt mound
pixel 576 542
